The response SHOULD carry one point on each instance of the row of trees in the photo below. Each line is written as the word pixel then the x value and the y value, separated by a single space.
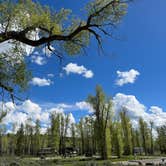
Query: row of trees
pixel 100 133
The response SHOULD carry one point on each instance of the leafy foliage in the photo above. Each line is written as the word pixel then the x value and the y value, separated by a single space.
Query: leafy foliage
pixel 103 108
pixel 13 73
pixel 25 22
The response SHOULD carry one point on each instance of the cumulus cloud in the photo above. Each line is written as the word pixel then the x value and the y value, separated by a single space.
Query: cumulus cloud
pixel 50 75
pixel 39 60
pixel 36 81
pixel 76 69
pixel 18 114
pixel 29 107
pixel 126 77
pixel 135 110
pixel 130 103
pixel 82 105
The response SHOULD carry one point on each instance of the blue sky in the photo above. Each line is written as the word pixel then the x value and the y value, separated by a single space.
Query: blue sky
pixel 141 47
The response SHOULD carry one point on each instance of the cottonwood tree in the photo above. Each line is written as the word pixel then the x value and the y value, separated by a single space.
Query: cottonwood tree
pixel 73 135
pixel 37 137
pixel 20 141
pixel 54 131
pixel 151 137
pixel 126 130
pixel 26 23
pixel 161 139
pixel 80 129
pixel 117 138
pixel 64 126
pixel 102 111
pixel 145 136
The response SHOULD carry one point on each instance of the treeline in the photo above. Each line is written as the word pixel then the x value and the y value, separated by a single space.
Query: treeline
pixel 97 134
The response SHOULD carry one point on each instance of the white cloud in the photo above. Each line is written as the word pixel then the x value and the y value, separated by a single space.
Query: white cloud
pixel 88 74
pixel 81 70
pixel 135 110
pixel 64 106
pixel 29 107
pixel 44 117
pixel 41 81
pixel 126 77
pixel 156 110
pixel 130 103
pixel 38 60
pixel 157 115
pixel 50 75
pixel 18 114
pixel 56 110
pixel 84 106
pixel 21 113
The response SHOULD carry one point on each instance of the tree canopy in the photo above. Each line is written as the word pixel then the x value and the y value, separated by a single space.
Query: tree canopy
pixel 25 22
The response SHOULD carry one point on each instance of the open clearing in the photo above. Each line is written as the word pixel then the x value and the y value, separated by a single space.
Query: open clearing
pixel 77 161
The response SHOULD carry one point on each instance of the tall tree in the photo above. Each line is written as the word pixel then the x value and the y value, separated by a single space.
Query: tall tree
pixel 117 139
pixel 127 135
pixel 54 135
pixel 64 126
pixel 102 107
pixel 81 134
pixel 73 135
pixel 20 141
pixel 145 135
pixel 151 137
pixel 37 137
pixel 161 139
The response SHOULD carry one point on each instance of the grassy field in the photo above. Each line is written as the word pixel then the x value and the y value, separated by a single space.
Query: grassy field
pixel 57 161
pixel 76 161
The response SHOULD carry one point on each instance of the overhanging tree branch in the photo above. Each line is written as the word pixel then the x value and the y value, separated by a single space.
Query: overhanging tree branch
pixel 21 35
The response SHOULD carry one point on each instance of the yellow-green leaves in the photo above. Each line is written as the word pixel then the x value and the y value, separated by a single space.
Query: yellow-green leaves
pixel 105 11
pixel 25 14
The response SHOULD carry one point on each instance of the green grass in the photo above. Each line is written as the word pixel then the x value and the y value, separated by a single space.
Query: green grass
pixel 58 161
